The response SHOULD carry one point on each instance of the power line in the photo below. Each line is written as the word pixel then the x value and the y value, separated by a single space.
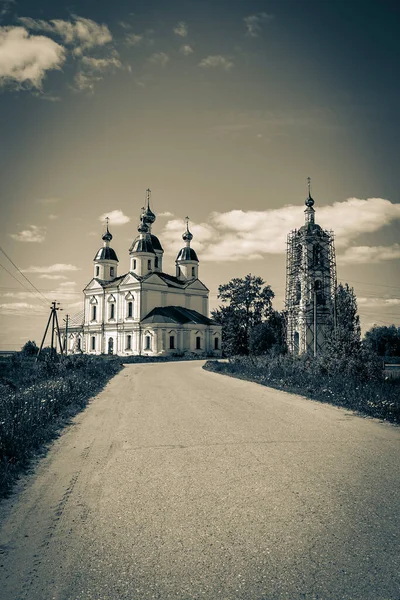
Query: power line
pixel 24 286
pixel 19 271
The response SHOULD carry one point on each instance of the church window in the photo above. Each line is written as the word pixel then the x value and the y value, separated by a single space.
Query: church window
pixel 193 271
pixel 128 342
pixel 198 343
pixel 112 311
pixel 111 271
pixel 178 271
pixel 97 271
pixel 93 343
pixel 318 292
pixel 156 262
pixel 216 343
pixel 130 309
pixel 316 255
pixel 172 342
pixel 149 264
pixel 78 346
pixel 94 312
pixel 134 263
pixel 147 343
pixel 298 291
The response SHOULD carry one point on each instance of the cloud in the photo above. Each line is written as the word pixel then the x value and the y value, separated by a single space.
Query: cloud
pixel 52 277
pixel 92 70
pixel 159 58
pixel 33 234
pixel 56 268
pixel 181 29
pixel 21 308
pixel 25 59
pixel 216 61
pixel 133 39
pixel 52 217
pixel 165 214
pixel 116 217
pixel 48 200
pixel 358 255
pixel 186 50
pixel 80 33
pixel 250 235
pixel 377 302
pixel 253 23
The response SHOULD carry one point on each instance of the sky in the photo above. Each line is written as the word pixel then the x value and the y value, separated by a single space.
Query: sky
pixel 222 108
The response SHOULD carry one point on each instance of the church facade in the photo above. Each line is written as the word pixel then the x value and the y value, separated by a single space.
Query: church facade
pixel 144 311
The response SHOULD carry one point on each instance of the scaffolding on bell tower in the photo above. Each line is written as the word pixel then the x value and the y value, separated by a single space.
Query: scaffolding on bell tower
pixel 310 285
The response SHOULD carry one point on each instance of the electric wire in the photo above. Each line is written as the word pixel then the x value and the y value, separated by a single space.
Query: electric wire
pixel 24 286
pixel 24 276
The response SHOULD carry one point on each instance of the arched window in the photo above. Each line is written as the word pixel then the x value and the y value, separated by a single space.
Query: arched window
pixel 147 342
pixel 216 343
pixel 112 310
pixel 111 271
pixel 156 262
pixel 93 346
pixel 130 309
pixel 198 342
pixel 149 264
pixel 78 345
pixel 134 263
pixel 193 271
pixel 319 292
pixel 97 271
pixel 316 255
pixel 94 312
pixel 172 342
pixel 128 342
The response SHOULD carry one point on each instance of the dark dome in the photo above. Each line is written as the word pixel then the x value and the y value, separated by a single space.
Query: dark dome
pixel 106 254
pixel 187 254
pixel 309 202
pixel 140 245
pixel 107 237
pixel 187 236
pixel 311 228
pixel 148 216
pixel 156 243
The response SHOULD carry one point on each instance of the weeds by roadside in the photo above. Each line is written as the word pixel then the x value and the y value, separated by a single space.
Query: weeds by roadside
pixel 35 400
pixel 367 392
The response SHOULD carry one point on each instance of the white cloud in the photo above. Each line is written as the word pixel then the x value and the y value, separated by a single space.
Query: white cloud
pixel 21 308
pixel 159 58
pixel 52 217
pixel 80 33
pixel 253 23
pixel 377 302
pixel 165 214
pixel 248 235
pixel 48 200
pixel 93 69
pixel 216 61
pixel 181 29
pixel 25 59
pixel 33 234
pixel 134 39
pixel 52 277
pixel 358 255
pixel 186 49
pixel 56 268
pixel 116 217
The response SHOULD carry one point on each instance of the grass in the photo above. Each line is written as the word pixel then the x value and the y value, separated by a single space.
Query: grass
pixel 36 400
pixel 368 395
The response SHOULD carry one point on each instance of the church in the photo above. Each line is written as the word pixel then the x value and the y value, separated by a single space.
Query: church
pixel 144 311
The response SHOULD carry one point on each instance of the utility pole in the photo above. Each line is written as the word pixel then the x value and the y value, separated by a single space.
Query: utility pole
pixel 66 321
pixel 55 329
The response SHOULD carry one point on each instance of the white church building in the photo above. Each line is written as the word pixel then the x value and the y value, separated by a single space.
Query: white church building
pixel 144 311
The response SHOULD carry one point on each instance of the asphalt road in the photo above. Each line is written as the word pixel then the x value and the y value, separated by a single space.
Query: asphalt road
pixel 180 483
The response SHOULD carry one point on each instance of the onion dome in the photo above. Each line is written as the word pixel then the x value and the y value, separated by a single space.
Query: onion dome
pixel 143 227
pixel 107 237
pixel 148 216
pixel 142 245
pixel 106 253
pixel 309 202
pixel 187 253
pixel 156 243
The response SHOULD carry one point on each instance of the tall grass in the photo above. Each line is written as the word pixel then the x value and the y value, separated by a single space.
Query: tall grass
pixel 361 389
pixel 35 400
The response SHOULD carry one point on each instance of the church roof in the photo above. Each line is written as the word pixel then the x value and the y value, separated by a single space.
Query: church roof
pixel 176 314
pixel 187 253
pixel 76 320
pixel 106 253
pixel 142 245
pixel 156 242
pixel 113 283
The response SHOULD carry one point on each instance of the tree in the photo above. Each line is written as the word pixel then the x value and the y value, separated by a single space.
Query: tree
pixel 383 341
pixel 247 302
pixel 268 337
pixel 30 349
pixel 346 336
